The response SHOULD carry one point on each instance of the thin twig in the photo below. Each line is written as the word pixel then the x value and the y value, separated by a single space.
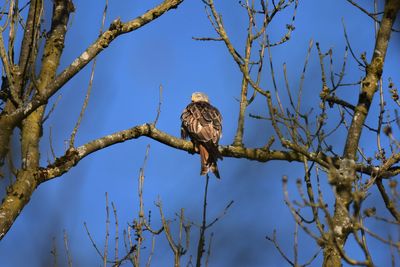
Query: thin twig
pixel 223 213
pixel 207 39
pixel 116 231
pixel 54 252
pixel 209 250
pixel 90 85
pixel 53 107
pixel 390 205
pixel 92 241
pixel 105 252
pixel 276 244
pixel 200 245
pixel 159 104
pixel 67 251
pixel 349 45
pixel 153 242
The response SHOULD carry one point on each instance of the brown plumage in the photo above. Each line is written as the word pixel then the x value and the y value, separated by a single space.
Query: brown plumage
pixel 202 123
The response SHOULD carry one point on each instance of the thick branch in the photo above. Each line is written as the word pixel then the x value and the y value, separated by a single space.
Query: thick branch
pixel 28 43
pixel 116 29
pixel 74 155
pixel 9 121
pixel 370 82
pixel 342 225
pixel 17 197
pixel 19 193
pixel 32 125
pixel 5 136
pixel 334 99
pixel 15 74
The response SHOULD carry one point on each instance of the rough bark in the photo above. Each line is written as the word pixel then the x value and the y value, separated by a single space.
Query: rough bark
pixel 117 28
pixel 19 193
pixel 16 75
pixel 30 115
pixel 341 222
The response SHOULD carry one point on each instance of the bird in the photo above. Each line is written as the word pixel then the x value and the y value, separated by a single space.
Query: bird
pixel 202 123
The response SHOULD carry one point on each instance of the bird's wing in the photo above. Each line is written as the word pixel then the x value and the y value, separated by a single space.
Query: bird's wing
pixel 202 122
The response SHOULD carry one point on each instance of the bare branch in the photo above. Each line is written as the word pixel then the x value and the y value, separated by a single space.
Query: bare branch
pixel 390 205
pixel 105 251
pixel 374 72
pixel 116 29
pixel 116 231
pixel 66 245
pixel 92 241
pixel 276 244
pixel 90 85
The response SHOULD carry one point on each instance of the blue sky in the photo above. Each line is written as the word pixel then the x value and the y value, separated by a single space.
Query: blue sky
pixel 125 93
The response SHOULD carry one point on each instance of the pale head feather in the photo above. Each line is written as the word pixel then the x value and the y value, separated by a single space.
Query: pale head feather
pixel 198 96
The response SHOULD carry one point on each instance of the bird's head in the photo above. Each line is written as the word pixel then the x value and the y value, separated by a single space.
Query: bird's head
pixel 198 97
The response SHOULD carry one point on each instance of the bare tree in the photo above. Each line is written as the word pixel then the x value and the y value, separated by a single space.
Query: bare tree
pixel 27 95
pixel 299 135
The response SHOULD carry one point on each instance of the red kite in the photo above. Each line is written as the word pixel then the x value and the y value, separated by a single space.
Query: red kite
pixel 202 123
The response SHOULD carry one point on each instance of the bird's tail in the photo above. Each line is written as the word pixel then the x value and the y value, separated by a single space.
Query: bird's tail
pixel 214 169
pixel 209 160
